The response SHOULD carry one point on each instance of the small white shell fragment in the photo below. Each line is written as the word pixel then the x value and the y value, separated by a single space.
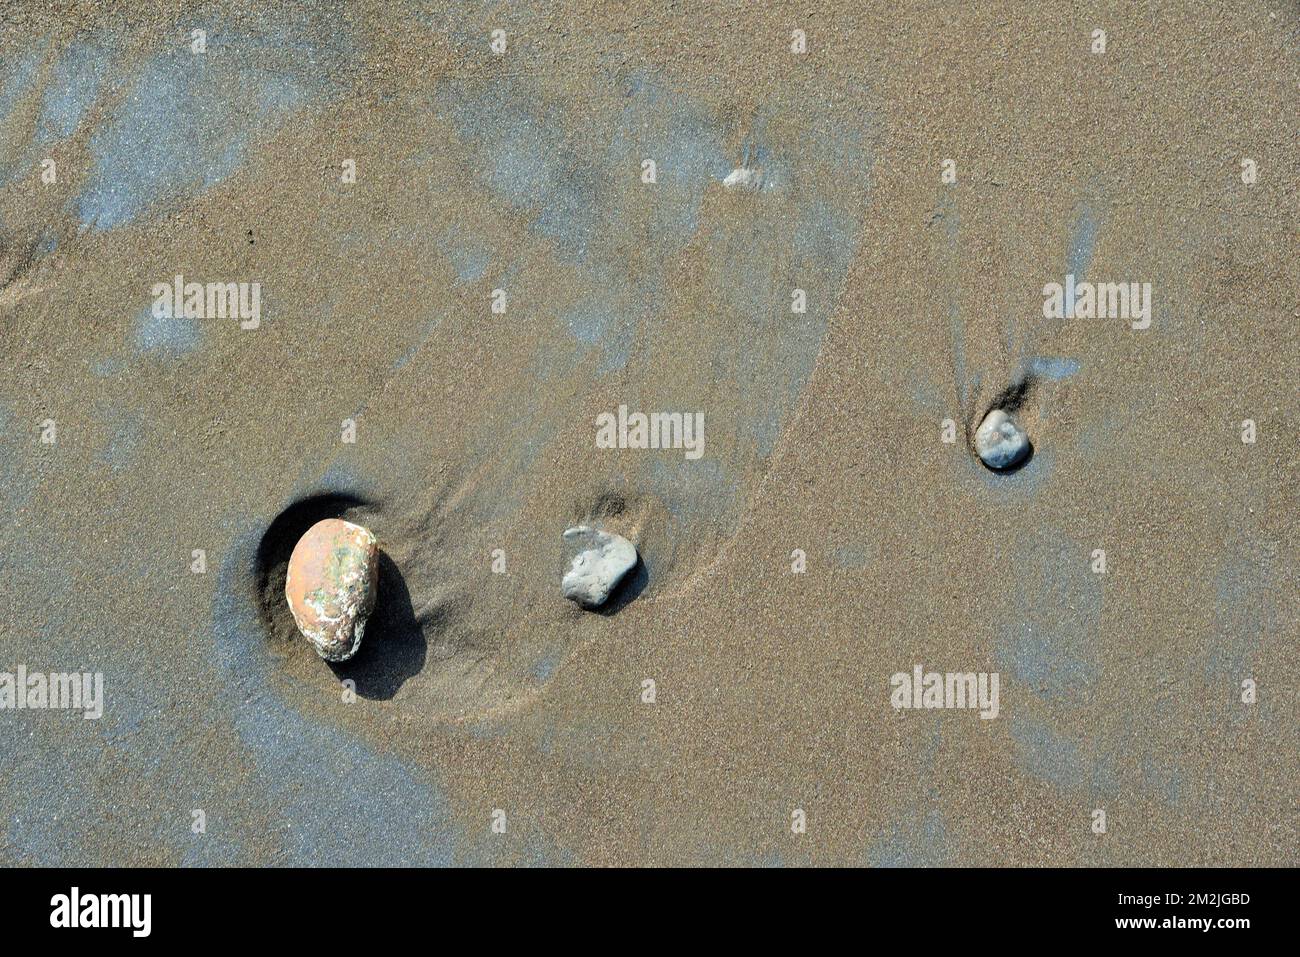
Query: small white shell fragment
pixel 601 561
pixel 1000 442
pixel 742 177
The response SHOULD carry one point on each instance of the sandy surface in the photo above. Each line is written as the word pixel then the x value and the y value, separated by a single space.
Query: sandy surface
pixel 474 431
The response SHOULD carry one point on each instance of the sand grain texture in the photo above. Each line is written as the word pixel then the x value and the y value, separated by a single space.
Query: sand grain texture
pixel 474 431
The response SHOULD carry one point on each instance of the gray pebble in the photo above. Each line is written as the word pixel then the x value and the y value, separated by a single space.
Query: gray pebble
pixel 1000 441
pixel 600 562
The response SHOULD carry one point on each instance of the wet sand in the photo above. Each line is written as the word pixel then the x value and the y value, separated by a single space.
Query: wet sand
pixel 479 691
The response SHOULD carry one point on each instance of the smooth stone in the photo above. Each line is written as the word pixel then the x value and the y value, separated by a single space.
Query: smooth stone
pixel 1000 442
pixel 600 564
pixel 331 584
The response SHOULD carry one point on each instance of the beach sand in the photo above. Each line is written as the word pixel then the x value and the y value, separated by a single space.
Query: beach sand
pixel 478 691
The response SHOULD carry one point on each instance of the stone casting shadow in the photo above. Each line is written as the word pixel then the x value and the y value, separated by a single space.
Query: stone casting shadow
pixel 394 645
pixel 626 592
pixel 1011 469
pixel 1010 400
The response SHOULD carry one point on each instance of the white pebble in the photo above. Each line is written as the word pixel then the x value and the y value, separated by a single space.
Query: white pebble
pixel 600 563
pixel 1000 442
pixel 742 177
